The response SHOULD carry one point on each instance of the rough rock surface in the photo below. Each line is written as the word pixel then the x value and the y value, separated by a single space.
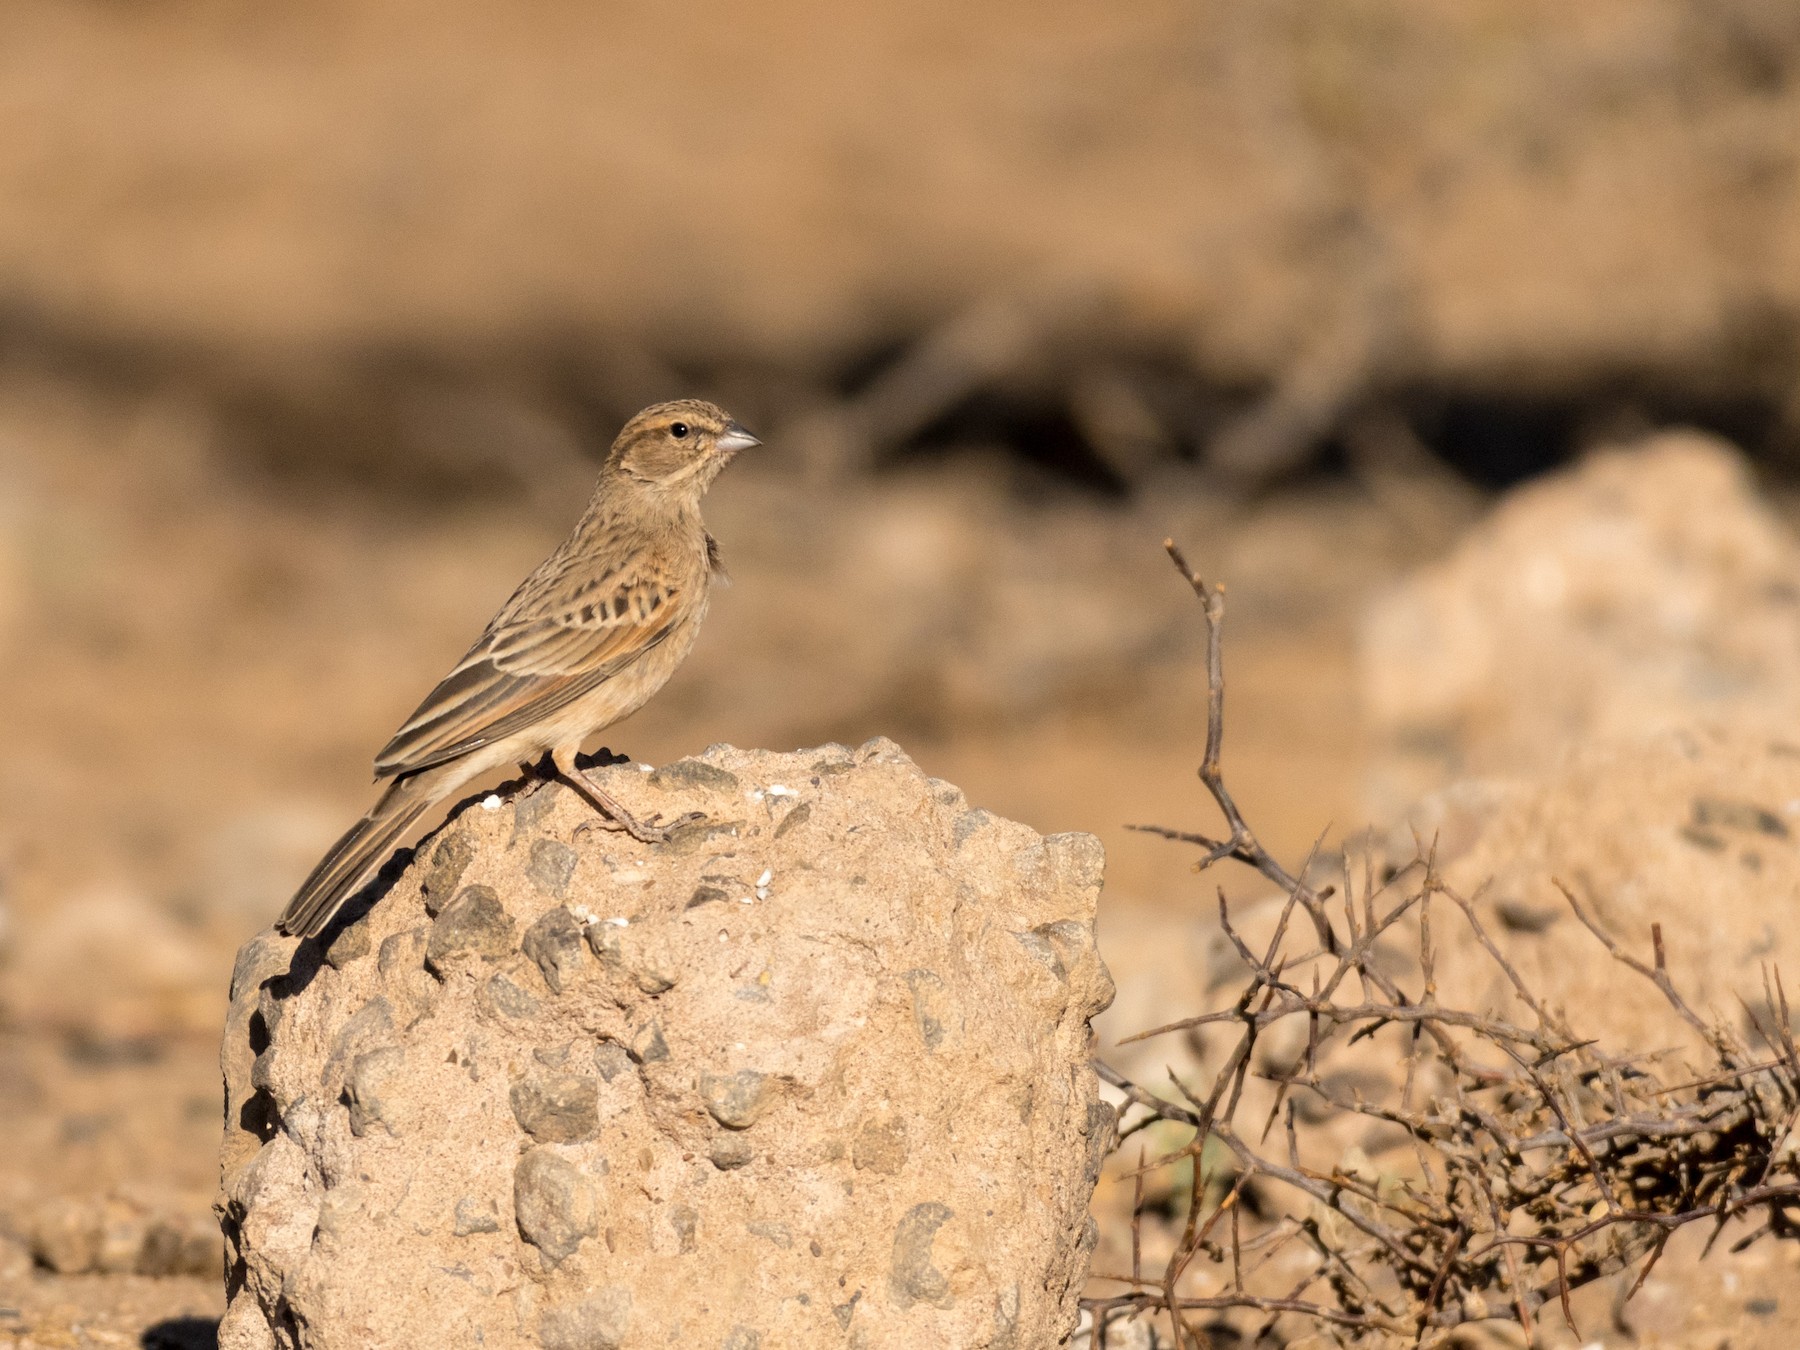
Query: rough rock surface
pixel 1647 588
pixel 813 1073
pixel 1698 830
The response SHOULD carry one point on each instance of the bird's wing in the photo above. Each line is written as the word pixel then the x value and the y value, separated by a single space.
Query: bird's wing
pixel 529 665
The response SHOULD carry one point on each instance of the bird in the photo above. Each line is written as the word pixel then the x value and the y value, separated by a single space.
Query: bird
pixel 588 638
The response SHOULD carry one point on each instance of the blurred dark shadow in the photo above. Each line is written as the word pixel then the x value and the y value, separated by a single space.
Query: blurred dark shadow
pixel 183 1333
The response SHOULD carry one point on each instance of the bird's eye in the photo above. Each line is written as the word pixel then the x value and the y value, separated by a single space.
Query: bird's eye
pixel 678 430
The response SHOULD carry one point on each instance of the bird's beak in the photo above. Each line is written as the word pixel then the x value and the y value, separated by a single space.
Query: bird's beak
pixel 736 438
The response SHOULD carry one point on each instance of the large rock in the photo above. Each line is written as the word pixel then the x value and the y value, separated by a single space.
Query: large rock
pixel 1697 830
pixel 814 1073
pixel 1642 590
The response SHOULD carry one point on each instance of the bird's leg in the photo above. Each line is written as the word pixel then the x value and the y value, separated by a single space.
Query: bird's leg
pixel 617 817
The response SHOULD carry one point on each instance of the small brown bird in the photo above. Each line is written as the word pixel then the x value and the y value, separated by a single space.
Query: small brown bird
pixel 586 639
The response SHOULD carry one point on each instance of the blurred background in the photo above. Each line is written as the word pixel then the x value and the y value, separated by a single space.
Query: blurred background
pixel 315 322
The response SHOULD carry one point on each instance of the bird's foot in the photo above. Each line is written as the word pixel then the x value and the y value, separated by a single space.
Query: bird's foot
pixel 650 830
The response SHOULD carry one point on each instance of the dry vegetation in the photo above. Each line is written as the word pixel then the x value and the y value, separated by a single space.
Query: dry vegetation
pixel 1526 1160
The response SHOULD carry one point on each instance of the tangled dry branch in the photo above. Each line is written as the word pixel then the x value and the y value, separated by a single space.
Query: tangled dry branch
pixel 1528 1160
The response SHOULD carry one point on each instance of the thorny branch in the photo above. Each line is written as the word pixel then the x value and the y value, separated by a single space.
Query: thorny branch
pixel 1539 1161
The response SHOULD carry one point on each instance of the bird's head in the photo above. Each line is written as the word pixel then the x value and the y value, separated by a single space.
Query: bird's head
pixel 679 446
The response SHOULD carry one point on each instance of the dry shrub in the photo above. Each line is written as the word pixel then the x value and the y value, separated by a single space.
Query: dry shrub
pixel 1522 1159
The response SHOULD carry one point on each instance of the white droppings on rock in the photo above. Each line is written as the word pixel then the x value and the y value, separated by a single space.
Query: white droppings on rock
pixel 781 790
pixel 492 802
pixel 768 875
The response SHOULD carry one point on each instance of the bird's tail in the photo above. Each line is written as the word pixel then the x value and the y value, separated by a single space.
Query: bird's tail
pixel 352 859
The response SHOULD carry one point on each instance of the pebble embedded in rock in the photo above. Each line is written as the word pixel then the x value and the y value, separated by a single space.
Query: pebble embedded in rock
pixel 474 924
pixel 347 944
pixel 684 1219
pixel 369 1026
pixel 971 823
pixel 694 774
pixel 1072 941
pixel 403 951
pixel 553 1204
pixel 557 1108
pixel 730 1152
pixel 1039 948
pixel 1101 1129
pixel 509 1001
pixel 1006 1320
pixel 880 1146
pixel 532 808
pixel 735 1100
pixel 551 867
pixel 475 1216
pixel 611 1059
pixel 654 972
pixel 554 943
pixel 793 820
pixel 370 1084
pixel 647 1045
pixel 912 1277
pixel 846 1310
pixel 449 860
pixel 778 1233
pixel 1080 859
pixel 931 1005
pixel 597 1322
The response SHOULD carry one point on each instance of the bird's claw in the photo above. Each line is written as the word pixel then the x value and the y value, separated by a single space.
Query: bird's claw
pixel 654 831
pixel 614 816
pixel 648 831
